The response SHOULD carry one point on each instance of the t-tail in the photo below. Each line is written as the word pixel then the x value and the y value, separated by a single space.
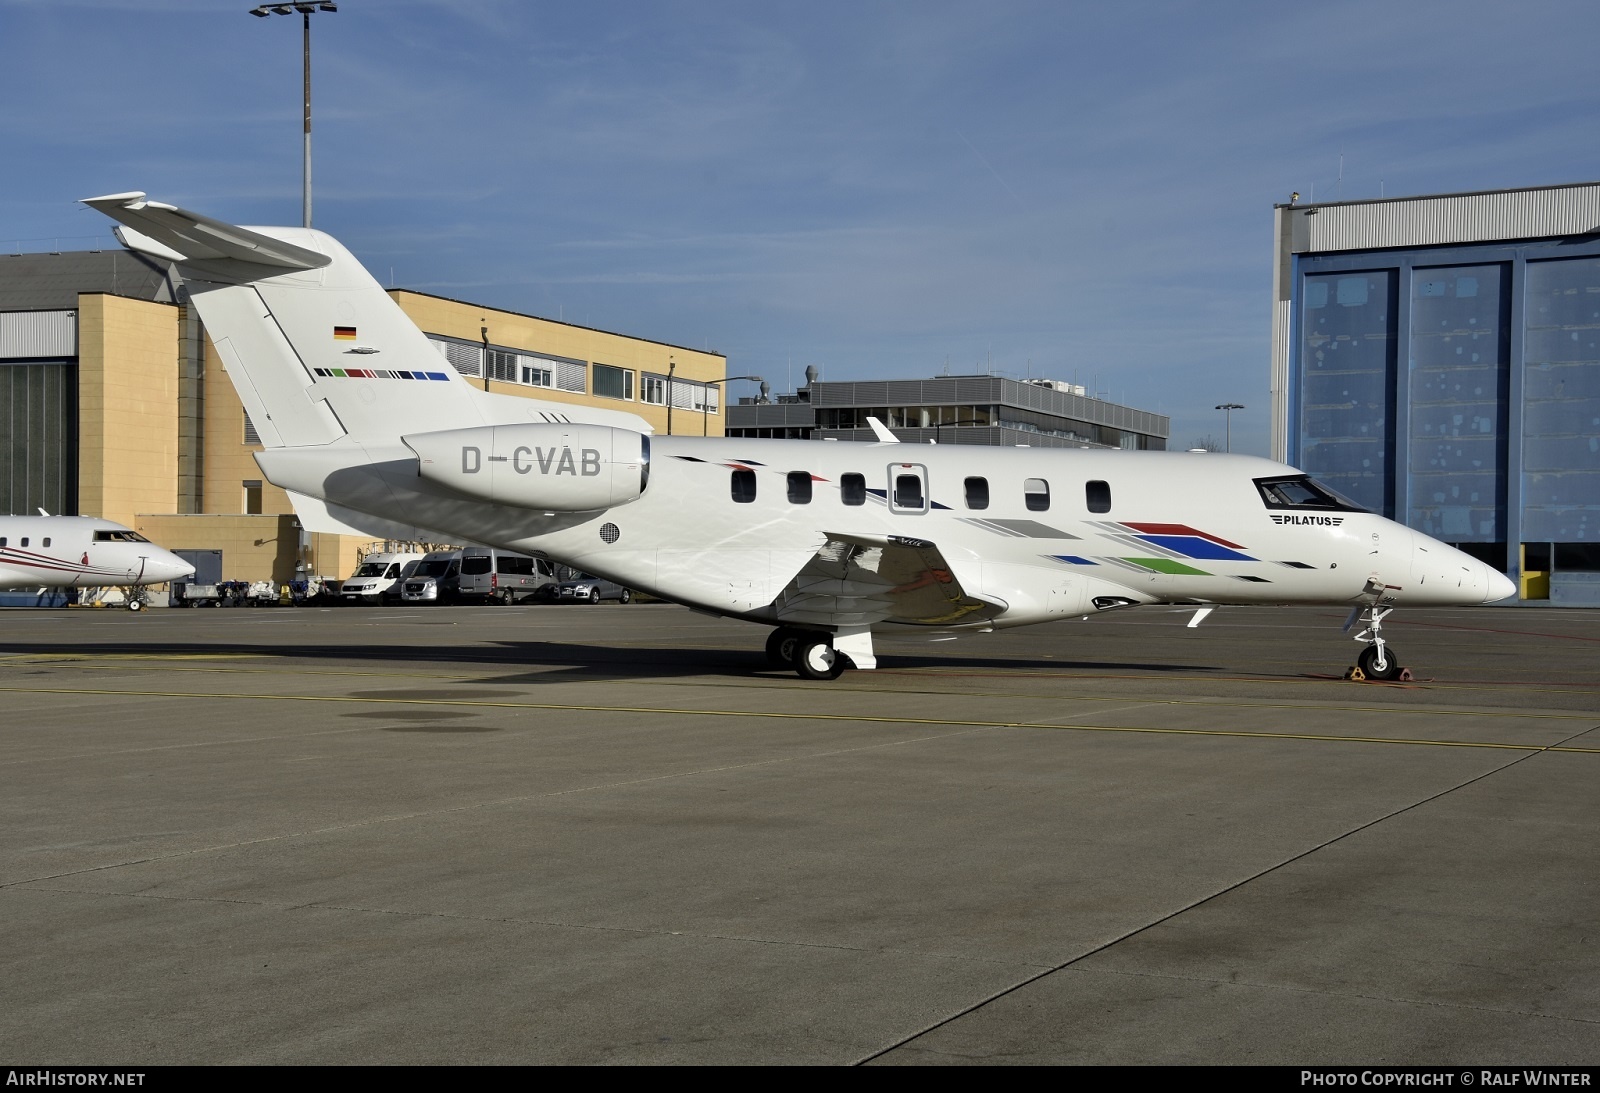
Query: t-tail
pixel 319 352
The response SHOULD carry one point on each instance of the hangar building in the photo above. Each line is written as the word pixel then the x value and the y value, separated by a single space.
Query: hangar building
pixel 1437 359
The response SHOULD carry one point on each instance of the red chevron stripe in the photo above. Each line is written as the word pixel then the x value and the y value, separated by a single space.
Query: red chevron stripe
pixel 1181 529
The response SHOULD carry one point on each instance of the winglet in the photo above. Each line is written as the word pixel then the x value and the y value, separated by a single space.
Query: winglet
pixel 882 432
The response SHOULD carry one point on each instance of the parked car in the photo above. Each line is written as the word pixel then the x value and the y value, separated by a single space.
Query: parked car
pixel 502 576
pixel 585 588
pixel 376 579
pixel 437 579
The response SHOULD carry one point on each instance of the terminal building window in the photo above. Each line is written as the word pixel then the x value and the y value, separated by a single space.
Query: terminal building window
pixel 612 382
pixel 252 498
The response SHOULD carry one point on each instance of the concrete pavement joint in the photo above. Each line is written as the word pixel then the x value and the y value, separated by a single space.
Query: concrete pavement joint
pixel 996 996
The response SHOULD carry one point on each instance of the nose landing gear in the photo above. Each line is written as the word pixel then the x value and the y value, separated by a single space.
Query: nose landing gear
pixel 1377 661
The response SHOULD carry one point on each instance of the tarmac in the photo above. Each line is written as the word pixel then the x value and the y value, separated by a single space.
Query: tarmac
pixel 573 834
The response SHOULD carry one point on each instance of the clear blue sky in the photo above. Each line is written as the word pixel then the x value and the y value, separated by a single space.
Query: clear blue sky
pixel 1070 190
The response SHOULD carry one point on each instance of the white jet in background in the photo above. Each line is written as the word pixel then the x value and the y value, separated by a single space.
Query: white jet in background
pixel 82 552
pixel 373 432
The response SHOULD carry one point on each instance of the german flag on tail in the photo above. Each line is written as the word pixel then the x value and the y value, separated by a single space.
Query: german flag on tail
pixel 344 333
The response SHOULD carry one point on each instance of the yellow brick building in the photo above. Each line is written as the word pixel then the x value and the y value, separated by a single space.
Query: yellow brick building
pixel 113 403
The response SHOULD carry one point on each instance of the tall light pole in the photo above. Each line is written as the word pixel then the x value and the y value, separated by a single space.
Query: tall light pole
pixel 305 10
pixel 1228 408
pixel 705 427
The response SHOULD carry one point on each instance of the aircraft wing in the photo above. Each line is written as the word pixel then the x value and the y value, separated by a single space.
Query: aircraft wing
pixel 859 581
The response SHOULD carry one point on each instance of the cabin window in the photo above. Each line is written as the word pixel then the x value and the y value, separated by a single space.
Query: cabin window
pixel 977 493
pixel 47 540
pixel 799 487
pixel 908 491
pixel 853 489
pixel 24 540
pixel 2 540
pixel 1098 495
pixel 1036 493
pixel 743 486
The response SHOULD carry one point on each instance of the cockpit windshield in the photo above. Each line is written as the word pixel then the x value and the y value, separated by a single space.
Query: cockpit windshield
pixel 108 536
pixel 1302 492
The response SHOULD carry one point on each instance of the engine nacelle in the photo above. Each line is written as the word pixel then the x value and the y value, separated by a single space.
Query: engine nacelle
pixel 554 468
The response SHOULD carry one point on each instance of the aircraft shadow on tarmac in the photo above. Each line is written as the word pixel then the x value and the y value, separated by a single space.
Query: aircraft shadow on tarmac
pixel 552 662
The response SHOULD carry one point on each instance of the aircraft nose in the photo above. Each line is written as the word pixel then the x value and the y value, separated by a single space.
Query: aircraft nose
pixel 1499 586
pixel 172 569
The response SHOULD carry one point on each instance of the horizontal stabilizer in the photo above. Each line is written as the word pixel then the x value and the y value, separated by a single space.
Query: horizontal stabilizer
pixel 199 238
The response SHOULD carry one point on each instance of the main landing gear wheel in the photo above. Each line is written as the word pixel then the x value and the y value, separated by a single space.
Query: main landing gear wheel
pixel 780 646
pixel 1369 662
pixel 135 605
pixel 816 658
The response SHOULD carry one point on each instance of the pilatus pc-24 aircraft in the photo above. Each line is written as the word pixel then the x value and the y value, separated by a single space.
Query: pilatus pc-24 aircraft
pixel 373 432
pixel 82 552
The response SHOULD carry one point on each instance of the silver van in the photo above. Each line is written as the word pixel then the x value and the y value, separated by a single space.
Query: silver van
pixel 437 579
pixel 502 576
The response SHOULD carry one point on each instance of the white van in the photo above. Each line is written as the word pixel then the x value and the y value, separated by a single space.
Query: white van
pixel 377 579
pixel 502 576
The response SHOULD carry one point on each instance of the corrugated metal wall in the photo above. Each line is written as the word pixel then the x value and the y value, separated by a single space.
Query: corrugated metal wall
pixel 38 438
pixel 1453 218
pixel 38 334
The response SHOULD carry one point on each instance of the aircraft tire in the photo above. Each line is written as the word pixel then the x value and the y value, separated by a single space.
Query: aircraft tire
pixel 1368 662
pixel 814 658
pixel 135 605
pixel 780 646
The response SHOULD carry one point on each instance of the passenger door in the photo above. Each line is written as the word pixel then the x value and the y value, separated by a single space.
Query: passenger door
pixel 908 489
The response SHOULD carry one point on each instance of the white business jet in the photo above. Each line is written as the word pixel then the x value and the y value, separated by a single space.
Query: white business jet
pixel 372 432
pixel 82 552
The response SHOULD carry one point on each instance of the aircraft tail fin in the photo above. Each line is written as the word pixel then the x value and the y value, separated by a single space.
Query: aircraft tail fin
pixel 319 352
